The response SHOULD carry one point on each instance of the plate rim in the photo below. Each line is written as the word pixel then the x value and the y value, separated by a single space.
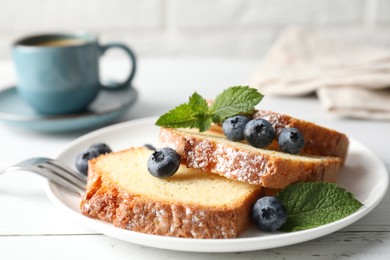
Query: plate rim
pixel 213 245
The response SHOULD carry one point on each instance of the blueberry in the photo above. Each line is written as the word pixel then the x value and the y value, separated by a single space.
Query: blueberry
pixel 259 133
pixel 291 140
pixel 83 158
pixel 268 213
pixel 101 148
pixel 233 127
pixel 163 162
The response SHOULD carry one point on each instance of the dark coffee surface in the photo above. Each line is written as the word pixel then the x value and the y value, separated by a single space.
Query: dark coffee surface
pixel 56 42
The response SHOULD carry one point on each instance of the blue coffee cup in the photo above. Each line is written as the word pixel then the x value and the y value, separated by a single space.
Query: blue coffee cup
pixel 59 73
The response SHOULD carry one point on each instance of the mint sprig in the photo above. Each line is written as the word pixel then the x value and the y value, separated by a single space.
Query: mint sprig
pixel 198 114
pixel 314 204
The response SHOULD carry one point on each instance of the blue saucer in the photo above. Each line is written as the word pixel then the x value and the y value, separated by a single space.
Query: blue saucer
pixel 108 106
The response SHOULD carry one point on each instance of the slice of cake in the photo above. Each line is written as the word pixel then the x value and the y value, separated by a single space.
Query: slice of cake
pixel 192 203
pixel 243 162
pixel 319 140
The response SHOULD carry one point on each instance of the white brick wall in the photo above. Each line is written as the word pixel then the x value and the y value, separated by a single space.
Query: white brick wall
pixel 229 28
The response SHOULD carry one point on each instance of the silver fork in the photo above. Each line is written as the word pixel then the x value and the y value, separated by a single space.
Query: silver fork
pixel 53 170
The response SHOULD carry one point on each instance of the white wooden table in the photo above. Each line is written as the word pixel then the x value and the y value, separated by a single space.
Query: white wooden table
pixel 32 228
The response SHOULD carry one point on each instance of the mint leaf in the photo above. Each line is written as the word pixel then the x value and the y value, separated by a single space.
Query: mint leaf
pixel 204 123
pixel 200 107
pixel 198 103
pixel 197 114
pixel 193 114
pixel 181 116
pixel 233 101
pixel 313 204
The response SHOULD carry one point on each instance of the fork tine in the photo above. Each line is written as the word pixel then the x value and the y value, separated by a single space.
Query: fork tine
pixel 55 176
pixel 79 176
pixel 63 175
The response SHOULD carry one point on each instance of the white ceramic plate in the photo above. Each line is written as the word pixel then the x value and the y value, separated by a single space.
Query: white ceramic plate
pixel 363 174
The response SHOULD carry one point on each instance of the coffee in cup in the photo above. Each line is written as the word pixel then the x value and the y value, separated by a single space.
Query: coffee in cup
pixel 59 73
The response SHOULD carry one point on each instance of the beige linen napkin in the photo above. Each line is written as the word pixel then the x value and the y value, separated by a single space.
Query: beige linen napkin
pixel 350 80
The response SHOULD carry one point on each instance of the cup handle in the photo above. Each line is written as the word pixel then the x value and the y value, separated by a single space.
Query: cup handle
pixel 127 83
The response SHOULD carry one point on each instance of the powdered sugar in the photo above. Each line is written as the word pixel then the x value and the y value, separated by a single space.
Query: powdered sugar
pixel 241 165
pixel 278 121
pixel 228 161
pixel 218 157
pixel 201 154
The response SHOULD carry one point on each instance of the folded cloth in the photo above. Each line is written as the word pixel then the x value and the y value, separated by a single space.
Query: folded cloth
pixel 356 102
pixel 350 80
